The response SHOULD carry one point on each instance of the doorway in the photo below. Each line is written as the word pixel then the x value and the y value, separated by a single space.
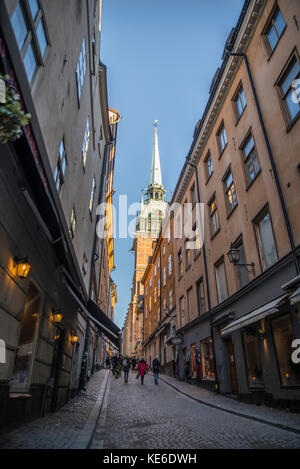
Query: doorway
pixel 232 368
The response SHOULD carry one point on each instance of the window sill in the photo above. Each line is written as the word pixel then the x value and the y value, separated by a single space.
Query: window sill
pixel 253 180
pixel 220 155
pixel 269 49
pixel 231 212
pixel 292 123
pixel 197 255
pixel 209 177
pixel 241 115
pixel 215 234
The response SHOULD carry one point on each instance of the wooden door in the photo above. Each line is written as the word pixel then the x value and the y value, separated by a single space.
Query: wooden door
pixel 233 376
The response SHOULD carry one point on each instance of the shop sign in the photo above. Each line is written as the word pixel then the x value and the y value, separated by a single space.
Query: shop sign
pixel 176 340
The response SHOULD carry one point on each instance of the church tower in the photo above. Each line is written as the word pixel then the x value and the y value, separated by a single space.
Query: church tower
pixel 154 207
pixel 152 212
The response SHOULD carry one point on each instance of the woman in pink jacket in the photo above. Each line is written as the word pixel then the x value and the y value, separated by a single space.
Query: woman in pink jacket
pixel 143 368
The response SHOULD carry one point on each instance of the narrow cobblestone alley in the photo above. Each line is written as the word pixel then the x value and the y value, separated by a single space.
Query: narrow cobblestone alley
pixel 158 417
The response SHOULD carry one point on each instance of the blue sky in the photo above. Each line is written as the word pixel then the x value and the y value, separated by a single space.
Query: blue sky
pixel 161 56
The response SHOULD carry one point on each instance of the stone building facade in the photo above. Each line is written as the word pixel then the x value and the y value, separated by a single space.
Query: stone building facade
pixel 240 293
pixel 50 186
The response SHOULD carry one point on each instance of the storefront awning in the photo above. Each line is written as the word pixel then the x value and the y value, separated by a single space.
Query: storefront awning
pixel 104 323
pixel 295 297
pixel 254 316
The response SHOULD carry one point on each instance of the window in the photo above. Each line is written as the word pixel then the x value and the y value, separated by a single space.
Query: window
pixel 164 276
pixel 169 235
pixel 207 359
pixel 84 265
pixel 150 303
pixel 222 138
pixel 29 27
pixel 158 263
pixel 181 311
pixel 240 102
pixel 85 145
pixel 59 174
pixel 283 337
pixel 170 265
pixel 189 303
pixel 187 255
pixel 253 360
pixel 214 218
pixel 196 241
pixel 287 85
pixel 150 282
pixel 155 294
pixel 81 69
pixel 200 297
pixel 251 162
pixel 72 228
pixel 179 263
pixel 209 168
pixel 158 286
pixel 146 312
pixel 165 307
pixel 274 30
pixel 242 272
pixel 265 239
pixel 21 376
pixel 193 194
pixel 164 249
pixel 92 197
pixel 155 270
pixel 221 281
pixel 230 194
pixel 170 300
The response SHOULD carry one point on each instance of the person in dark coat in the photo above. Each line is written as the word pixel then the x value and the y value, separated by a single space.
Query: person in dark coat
pixel 155 366
pixel 126 367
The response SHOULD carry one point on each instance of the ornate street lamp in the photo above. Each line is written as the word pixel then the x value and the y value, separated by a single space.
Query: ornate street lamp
pixel 73 338
pixel 234 257
pixel 23 266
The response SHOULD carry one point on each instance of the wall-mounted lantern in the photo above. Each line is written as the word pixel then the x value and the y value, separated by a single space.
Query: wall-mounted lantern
pixel 23 267
pixel 234 257
pixel 57 317
pixel 73 338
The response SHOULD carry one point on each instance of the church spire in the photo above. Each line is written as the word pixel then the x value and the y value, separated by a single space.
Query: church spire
pixel 155 178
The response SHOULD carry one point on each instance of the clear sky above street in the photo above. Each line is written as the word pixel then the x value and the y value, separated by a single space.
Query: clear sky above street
pixel 161 56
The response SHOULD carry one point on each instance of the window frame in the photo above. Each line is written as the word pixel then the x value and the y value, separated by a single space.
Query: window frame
pixel 245 158
pixel 235 99
pixel 227 190
pixel 207 175
pixel 255 222
pixel 289 121
pixel 211 215
pixel 216 266
pixel 267 28
pixel 73 223
pixel 220 131
pixel 31 38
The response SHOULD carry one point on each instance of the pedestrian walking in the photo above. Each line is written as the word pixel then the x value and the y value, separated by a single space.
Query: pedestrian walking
pixel 133 363
pixel 126 367
pixel 155 366
pixel 107 362
pixel 142 368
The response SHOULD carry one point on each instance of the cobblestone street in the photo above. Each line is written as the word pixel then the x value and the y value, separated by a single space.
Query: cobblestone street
pixel 158 417
pixel 60 429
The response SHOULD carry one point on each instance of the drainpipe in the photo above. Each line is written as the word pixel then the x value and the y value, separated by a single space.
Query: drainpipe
pixel 206 280
pixel 271 157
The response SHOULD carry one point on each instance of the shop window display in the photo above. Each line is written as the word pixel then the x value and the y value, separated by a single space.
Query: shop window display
pixel 207 359
pixel 253 360
pixel 283 337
